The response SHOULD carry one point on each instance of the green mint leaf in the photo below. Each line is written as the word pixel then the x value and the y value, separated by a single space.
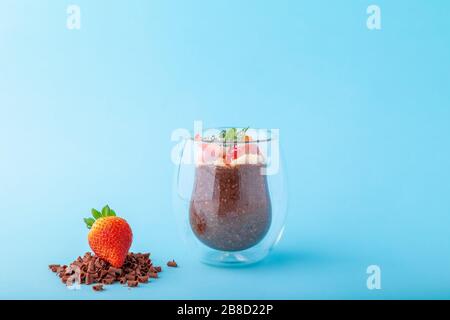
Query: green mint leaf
pixel 222 134
pixel 105 211
pixel 231 135
pixel 96 214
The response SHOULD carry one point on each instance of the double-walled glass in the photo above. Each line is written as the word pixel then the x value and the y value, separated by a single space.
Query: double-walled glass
pixel 230 196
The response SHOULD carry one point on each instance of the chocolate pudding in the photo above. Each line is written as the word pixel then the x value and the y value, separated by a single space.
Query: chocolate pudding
pixel 230 208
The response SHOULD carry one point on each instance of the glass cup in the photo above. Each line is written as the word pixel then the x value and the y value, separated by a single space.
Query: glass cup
pixel 230 195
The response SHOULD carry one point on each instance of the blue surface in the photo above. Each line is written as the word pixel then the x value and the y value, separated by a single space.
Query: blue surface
pixel 86 118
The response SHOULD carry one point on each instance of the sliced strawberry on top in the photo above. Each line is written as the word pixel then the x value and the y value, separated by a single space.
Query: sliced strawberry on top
pixel 238 150
pixel 230 154
pixel 210 153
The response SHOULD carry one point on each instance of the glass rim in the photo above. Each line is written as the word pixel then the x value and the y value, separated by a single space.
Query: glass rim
pixel 269 131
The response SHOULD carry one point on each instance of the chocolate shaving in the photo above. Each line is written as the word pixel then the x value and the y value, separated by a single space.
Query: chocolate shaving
pixel 133 283
pixel 54 267
pixel 91 266
pixel 89 279
pixel 98 287
pixel 108 280
pixel 172 264
pixel 143 279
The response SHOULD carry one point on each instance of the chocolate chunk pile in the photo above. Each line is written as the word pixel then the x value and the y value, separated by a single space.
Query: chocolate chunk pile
pixel 90 269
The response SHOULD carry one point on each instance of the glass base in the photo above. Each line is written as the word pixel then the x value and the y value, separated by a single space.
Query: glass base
pixel 233 259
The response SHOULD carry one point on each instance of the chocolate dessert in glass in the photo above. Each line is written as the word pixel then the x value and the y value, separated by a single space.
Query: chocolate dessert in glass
pixel 230 206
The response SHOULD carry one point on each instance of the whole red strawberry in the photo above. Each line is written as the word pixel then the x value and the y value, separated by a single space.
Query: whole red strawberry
pixel 110 237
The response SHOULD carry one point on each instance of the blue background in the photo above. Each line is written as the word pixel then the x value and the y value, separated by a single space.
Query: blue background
pixel 86 118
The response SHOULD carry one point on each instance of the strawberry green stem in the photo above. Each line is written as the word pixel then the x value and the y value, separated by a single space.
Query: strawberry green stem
pixel 106 212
